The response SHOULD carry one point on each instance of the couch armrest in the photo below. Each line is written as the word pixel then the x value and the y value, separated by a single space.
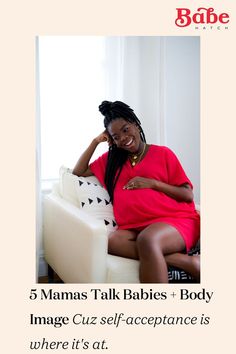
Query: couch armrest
pixel 75 244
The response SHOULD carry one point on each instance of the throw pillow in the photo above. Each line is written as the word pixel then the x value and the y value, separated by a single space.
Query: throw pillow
pixel 94 199
pixel 88 194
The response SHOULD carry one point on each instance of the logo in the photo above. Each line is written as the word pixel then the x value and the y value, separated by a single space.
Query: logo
pixel 203 16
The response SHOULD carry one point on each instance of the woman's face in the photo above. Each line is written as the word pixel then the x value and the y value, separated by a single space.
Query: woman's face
pixel 125 135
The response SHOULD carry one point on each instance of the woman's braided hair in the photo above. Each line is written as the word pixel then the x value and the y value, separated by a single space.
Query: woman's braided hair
pixel 117 156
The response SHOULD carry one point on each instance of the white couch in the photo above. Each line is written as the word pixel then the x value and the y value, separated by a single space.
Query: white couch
pixel 77 220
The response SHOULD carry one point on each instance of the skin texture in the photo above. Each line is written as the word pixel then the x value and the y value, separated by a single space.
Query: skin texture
pixel 159 244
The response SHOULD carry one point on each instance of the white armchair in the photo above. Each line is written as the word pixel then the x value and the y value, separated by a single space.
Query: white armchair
pixel 77 220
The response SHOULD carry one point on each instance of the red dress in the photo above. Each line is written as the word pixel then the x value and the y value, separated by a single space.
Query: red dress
pixel 138 208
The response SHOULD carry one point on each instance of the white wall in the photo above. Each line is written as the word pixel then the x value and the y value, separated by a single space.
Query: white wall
pixel 162 84
pixel 182 103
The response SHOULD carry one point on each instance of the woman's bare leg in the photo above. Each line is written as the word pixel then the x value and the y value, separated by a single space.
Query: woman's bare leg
pixel 153 243
pixel 190 264
pixel 122 243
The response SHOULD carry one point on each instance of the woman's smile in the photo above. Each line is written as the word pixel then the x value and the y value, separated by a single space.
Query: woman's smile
pixel 125 135
pixel 129 142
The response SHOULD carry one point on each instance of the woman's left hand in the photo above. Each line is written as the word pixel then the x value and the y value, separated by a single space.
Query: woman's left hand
pixel 181 193
pixel 139 182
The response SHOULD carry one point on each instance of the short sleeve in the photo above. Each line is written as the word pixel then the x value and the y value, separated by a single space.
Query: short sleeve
pixel 176 173
pixel 98 168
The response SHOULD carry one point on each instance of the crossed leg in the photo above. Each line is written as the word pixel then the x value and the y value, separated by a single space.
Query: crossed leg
pixel 155 247
pixel 153 243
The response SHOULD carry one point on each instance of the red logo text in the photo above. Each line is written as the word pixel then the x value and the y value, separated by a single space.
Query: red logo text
pixel 202 16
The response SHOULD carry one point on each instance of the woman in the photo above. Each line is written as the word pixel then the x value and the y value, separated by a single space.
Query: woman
pixel 152 196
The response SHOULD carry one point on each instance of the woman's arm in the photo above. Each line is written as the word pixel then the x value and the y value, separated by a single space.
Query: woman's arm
pixel 181 193
pixel 82 166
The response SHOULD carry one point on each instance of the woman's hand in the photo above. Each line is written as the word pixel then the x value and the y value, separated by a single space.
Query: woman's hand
pixel 181 193
pixel 82 166
pixel 104 136
pixel 140 182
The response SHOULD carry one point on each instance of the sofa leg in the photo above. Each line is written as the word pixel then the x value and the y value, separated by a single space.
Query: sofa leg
pixel 50 274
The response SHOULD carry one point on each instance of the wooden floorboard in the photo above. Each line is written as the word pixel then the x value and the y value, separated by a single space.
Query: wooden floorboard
pixel 44 280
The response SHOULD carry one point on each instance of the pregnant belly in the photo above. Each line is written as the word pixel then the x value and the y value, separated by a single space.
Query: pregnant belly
pixel 143 205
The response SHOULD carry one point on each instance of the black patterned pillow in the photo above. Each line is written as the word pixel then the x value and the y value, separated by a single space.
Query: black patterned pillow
pixel 89 195
pixel 176 275
pixel 94 199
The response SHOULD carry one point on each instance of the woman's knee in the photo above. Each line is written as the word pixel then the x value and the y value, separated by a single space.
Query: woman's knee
pixel 159 238
pixel 148 243
pixel 112 243
pixel 119 240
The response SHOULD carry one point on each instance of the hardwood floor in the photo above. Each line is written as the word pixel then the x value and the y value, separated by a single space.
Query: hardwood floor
pixel 44 280
pixel 52 278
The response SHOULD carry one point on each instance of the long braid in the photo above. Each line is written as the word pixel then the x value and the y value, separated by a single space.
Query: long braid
pixel 116 156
